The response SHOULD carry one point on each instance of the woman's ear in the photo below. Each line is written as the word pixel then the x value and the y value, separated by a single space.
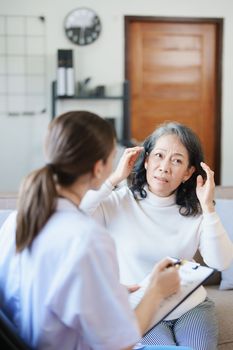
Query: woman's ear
pixel 189 173
pixel 146 160
pixel 98 169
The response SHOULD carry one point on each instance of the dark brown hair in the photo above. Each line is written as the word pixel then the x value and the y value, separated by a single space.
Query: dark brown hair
pixel 75 141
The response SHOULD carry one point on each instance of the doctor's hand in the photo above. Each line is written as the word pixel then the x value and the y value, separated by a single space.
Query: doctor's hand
pixel 163 282
pixel 133 288
pixel 125 165
pixel 165 279
pixel 205 189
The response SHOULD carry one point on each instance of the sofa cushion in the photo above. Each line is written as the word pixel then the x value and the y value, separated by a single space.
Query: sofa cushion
pixel 224 208
pixel 223 300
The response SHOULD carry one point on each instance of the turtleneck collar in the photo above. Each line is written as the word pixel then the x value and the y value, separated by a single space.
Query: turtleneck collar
pixel 159 201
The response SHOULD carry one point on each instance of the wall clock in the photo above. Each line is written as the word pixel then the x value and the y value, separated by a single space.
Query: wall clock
pixel 82 26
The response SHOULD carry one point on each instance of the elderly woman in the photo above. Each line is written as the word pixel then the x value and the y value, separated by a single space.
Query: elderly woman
pixel 167 210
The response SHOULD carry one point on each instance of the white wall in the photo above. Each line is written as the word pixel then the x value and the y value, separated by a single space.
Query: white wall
pixel 21 138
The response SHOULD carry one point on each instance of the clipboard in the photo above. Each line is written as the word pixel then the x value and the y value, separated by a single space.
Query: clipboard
pixel 192 276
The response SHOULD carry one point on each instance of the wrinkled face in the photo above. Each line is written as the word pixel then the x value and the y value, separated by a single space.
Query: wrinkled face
pixel 167 166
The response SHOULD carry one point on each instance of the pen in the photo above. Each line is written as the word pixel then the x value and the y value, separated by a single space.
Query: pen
pixel 179 262
pixel 176 263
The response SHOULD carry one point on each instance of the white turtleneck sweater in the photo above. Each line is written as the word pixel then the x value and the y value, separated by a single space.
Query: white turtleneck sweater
pixel 150 229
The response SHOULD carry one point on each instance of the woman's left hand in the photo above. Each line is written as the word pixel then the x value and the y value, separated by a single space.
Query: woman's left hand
pixel 205 189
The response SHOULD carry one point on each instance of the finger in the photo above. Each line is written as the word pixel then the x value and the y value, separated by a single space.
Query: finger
pixel 134 149
pixel 163 264
pixel 209 172
pixel 132 152
pixel 205 166
pixel 133 156
pixel 200 181
pixel 174 275
pixel 171 274
pixel 133 288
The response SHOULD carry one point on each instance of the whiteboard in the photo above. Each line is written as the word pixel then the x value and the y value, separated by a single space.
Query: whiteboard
pixel 22 65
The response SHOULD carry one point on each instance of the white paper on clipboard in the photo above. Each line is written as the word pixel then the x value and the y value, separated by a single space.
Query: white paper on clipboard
pixel 192 276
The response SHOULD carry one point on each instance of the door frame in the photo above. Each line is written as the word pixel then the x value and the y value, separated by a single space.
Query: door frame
pixel 218 22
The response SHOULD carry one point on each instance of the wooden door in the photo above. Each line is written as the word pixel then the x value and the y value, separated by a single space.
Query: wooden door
pixel 174 71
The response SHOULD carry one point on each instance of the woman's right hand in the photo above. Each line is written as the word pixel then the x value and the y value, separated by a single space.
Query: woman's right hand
pixel 125 165
pixel 165 279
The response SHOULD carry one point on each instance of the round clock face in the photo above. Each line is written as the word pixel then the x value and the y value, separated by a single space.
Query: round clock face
pixel 82 26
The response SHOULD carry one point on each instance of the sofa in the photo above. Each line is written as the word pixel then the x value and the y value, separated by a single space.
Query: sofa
pixel 223 298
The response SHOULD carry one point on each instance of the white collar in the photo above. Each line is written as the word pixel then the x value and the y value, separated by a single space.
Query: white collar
pixel 65 204
pixel 160 201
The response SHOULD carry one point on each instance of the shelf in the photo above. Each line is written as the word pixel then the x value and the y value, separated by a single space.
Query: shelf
pixel 89 97
pixel 125 100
